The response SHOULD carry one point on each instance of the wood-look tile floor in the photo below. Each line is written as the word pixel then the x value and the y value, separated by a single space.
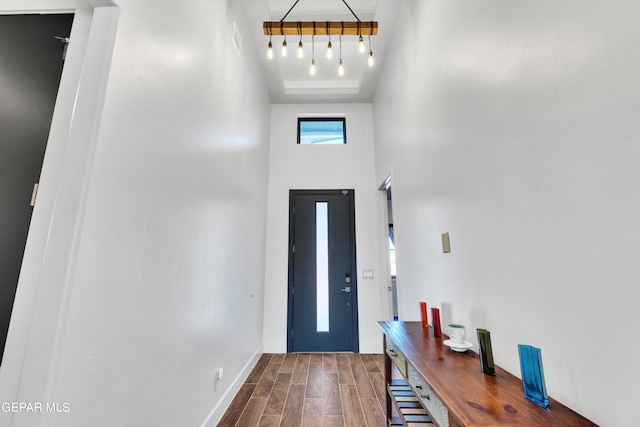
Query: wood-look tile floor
pixel 311 390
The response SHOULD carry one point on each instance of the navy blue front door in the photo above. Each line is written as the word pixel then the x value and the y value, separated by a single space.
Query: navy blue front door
pixel 323 312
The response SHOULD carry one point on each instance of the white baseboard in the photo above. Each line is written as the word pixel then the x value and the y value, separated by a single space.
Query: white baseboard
pixel 275 348
pixel 371 347
pixel 367 347
pixel 217 413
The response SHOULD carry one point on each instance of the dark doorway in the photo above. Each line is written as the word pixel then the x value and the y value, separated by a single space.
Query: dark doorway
pixel 323 311
pixel 31 60
pixel 392 253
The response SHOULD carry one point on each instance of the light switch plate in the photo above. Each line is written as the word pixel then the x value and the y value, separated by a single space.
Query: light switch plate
pixel 367 274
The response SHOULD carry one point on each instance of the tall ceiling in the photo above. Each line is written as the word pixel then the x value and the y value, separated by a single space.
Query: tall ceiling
pixel 289 78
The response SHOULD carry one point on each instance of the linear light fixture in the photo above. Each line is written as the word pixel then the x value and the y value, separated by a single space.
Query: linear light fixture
pixel 321 28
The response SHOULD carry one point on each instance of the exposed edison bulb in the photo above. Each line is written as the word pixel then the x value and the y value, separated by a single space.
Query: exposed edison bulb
pixel 312 70
pixel 340 68
pixel 329 50
pixel 300 50
pixel 370 60
pixel 361 44
pixel 270 50
pixel 284 47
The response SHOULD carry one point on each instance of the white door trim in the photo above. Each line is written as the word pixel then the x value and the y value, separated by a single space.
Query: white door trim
pixel 34 343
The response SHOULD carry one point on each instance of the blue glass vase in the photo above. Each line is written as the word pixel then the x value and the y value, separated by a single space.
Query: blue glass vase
pixel 533 384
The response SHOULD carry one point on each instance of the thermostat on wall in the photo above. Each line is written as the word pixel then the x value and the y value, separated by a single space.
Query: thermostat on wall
pixel 446 246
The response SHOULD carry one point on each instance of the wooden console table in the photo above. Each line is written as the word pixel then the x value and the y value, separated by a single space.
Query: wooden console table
pixel 452 388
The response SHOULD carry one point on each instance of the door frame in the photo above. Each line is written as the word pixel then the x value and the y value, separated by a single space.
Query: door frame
pixel 385 260
pixel 354 275
pixel 46 277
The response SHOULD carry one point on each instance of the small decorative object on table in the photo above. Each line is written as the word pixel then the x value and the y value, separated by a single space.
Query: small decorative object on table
pixel 423 313
pixel 457 333
pixel 486 354
pixel 435 319
pixel 533 383
pixel 456 341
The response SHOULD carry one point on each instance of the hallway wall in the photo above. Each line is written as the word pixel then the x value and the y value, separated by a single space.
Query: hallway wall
pixel 301 167
pixel 168 281
pixel 514 127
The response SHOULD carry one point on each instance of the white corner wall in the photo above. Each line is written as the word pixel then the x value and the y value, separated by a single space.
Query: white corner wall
pixel 301 167
pixel 514 127
pixel 166 284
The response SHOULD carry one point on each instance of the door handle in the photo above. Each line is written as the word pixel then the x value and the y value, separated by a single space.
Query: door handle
pixel 346 289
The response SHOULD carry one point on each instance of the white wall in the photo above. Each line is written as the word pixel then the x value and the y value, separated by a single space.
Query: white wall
pixel 168 281
pixel 514 126
pixel 298 167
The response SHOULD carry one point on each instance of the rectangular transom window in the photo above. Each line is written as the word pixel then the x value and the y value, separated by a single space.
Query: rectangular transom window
pixel 322 130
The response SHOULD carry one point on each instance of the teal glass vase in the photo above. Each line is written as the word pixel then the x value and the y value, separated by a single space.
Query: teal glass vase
pixel 533 383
